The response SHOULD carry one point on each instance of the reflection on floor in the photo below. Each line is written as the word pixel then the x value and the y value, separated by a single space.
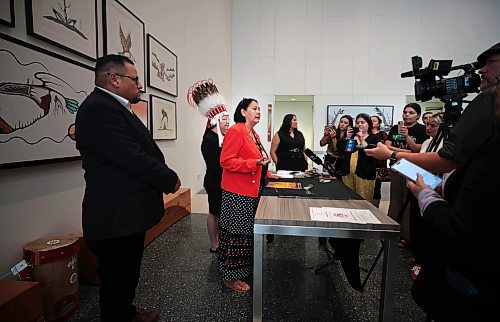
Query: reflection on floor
pixel 179 277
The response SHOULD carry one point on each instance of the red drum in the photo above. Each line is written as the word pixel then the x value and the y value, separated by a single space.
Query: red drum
pixel 54 265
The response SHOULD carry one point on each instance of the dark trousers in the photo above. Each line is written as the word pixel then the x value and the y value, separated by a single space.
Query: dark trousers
pixel 119 265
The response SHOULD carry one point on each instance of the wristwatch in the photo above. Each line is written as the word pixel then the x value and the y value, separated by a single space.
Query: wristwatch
pixel 393 156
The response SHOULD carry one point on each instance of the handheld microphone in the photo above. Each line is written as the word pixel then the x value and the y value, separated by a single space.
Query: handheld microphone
pixel 314 158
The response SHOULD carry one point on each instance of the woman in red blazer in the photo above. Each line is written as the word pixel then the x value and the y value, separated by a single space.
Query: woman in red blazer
pixel 244 162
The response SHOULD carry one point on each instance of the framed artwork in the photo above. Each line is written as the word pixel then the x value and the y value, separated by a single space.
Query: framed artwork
pixel 124 35
pixel 142 111
pixel 7 15
pixel 68 24
pixel 39 97
pixel 163 118
pixel 269 122
pixel 162 67
pixel 385 112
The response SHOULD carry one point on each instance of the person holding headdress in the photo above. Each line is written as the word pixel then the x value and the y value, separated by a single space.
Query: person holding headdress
pixel 205 96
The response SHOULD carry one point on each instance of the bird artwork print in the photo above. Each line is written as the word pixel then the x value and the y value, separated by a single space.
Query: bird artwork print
pixel 126 43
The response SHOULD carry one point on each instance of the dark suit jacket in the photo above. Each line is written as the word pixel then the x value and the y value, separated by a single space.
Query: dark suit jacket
pixel 462 236
pixel 125 171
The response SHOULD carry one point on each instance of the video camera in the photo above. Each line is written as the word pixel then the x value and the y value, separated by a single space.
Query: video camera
pixel 450 90
pixel 427 86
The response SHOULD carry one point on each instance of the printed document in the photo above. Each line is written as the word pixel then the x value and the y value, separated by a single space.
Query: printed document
pixel 359 216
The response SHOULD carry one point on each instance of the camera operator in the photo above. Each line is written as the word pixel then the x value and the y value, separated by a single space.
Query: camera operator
pixel 458 280
pixel 474 127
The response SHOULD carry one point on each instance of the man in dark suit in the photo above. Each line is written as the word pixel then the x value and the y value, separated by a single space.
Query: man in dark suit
pixel 126 176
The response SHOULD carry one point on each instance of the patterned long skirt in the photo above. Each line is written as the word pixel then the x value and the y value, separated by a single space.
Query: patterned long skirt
pixel 236 235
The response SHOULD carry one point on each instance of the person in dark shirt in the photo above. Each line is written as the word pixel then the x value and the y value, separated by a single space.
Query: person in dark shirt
pixel 406 138
pixel 458 280
pixel 205 96
pixel 288 145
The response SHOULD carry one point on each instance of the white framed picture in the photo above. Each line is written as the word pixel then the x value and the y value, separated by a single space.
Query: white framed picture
pixel 163 118
pixel 162 67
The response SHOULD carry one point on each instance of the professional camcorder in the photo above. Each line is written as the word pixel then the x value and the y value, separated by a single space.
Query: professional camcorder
pixel 427 86
pixel 430 82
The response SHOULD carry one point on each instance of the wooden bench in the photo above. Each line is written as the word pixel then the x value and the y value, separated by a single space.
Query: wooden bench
pixel 20 301
pixel 177 206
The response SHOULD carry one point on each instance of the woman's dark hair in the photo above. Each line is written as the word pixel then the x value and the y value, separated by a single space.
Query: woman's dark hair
pixel 379 120
pixel 242 105
pixel 351 124
pixel 287 123
pixel 414 106
pixel 368 120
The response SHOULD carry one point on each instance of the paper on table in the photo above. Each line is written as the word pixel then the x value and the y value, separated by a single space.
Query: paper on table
pixel 284 174
pixel 360 216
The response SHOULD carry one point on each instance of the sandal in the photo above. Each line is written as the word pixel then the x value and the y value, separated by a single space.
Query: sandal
pixel 238 286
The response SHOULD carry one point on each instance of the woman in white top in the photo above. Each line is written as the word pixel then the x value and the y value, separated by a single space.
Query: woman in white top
pixel 434 129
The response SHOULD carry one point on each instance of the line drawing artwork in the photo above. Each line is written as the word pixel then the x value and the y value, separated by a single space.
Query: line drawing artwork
pixel 124 34
pixel 62 17
pixel 164 121
pixel 163 118
pixel 126 43
pixel 162 73
pixel 36 106
pixel 162 67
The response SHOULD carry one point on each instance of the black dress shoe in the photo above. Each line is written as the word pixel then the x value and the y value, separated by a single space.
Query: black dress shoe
pixel 146 317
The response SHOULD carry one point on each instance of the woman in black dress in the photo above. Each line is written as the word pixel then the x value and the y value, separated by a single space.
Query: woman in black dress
pixel 288 145
pixel 205 96
pixel 287 149
pixel 211 149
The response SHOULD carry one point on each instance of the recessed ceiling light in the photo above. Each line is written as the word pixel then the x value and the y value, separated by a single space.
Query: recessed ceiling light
pixel 292 99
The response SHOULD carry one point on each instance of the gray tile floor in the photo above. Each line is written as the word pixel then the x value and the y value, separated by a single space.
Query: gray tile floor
pixel 179 277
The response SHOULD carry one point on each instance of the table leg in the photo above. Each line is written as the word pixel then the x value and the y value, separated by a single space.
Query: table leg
pixel 387 293
pixel 258 251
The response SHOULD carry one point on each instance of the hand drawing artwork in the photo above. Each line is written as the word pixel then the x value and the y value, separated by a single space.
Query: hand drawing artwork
pixel 164 118
pixel 161 71
pixel 164 121
pixel 162 67
pixel 37 107
pixel 61 16
pixel 67 24
pixel 124 34
pixel 126 43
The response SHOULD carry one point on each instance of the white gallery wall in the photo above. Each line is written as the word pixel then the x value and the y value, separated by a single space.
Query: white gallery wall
pixel 342 52
pixel 350 52
pixel 41 200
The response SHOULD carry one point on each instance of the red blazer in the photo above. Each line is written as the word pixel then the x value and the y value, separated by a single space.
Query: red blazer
pixel 238 159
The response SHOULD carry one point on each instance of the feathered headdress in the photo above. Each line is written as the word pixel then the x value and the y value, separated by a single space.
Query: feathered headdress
pixel 205 96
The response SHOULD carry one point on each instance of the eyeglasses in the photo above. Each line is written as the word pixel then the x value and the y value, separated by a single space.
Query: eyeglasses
pixel 134 78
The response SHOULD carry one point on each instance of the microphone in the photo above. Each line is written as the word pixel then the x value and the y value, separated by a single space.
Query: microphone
pixel 468 67
pixel 314 158
pixel 407 74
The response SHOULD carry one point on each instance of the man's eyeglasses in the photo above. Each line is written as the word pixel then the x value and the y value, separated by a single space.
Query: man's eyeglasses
pixel 134 78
